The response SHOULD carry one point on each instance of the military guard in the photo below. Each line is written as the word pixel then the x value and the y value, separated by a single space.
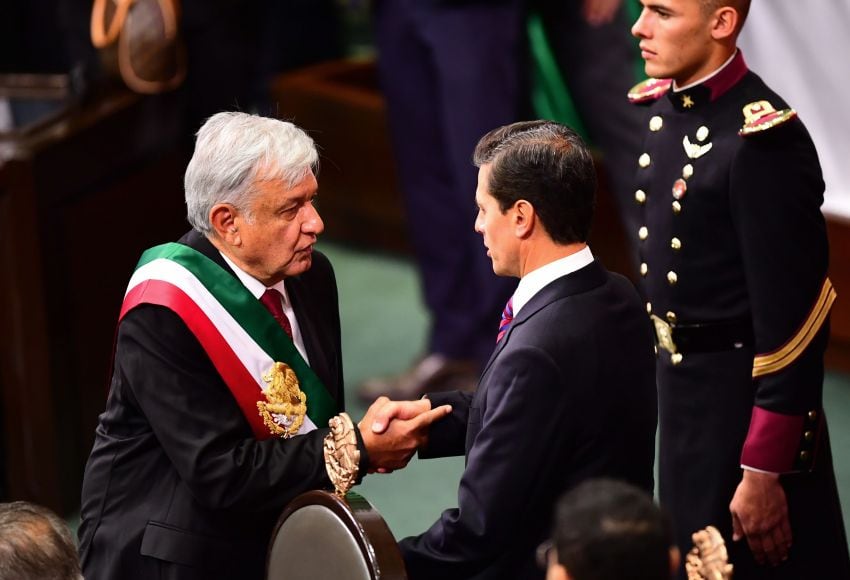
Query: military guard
pixel 733 264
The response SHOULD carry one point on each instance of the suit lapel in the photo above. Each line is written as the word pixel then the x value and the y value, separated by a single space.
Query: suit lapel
pixel 310 333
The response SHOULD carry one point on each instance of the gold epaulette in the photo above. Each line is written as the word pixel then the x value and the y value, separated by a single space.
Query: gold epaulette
pixel 760 116
pixel 648 90
pixel 769 363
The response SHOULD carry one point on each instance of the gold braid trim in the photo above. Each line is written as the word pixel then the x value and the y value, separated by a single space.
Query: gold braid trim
pixel 787 354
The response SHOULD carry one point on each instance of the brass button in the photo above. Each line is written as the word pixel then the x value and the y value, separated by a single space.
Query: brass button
pixel 702 133
pixel 671 317
pixel 676 358
pixel 649 307
pixel 812 415
pixel 809 435
pixel 640 196
pixel 655 123
pixel 804 455
pixel 672 278
pixel 676 244
pixel 643 232
pixel 643 269
pixel 677 207
pixel 687 171
pixel 644 160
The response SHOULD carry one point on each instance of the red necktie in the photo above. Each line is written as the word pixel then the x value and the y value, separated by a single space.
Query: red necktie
pixel 273 301
pixel 507 318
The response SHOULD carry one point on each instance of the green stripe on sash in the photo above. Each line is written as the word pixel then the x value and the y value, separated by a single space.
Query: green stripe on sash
pixel 254 318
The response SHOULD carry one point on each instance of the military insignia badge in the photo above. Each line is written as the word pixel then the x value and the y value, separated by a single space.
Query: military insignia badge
pixel 285 406
pixel 761 116
pixel 679 188
pixel 648 90
pixel 695 150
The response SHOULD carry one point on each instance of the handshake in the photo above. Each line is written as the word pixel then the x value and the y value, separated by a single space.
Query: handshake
pixel 392 431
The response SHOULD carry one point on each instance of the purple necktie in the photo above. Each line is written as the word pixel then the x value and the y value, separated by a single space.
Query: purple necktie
pixel 273 301
pixel 507 318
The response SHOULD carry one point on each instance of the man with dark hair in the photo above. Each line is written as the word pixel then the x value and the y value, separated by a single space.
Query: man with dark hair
pixel 609 530
pixel 568 392
pixel 35 544
pixel 449 72
pixel 734 259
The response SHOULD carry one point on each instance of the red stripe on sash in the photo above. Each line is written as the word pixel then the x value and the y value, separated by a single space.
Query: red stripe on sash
pixel 242 384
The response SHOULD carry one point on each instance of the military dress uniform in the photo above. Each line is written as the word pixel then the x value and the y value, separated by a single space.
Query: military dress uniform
pixel 733 264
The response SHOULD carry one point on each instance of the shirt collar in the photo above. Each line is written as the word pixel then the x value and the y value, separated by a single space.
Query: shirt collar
pixel 253 285
pixel 536 280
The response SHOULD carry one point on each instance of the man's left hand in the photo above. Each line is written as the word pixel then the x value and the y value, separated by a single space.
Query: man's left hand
pixel 760 513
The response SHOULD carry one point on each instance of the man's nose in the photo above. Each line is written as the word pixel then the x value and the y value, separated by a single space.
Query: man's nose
pixel 313 223
pixel 639 27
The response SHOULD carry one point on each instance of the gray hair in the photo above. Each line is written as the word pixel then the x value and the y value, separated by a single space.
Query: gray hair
pixel 35 544
pixel 232 149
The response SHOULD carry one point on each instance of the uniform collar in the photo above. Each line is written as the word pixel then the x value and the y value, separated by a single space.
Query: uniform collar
pixel 709 88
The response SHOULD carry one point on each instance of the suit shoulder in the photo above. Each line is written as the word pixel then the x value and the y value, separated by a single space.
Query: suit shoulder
pixel 319 281
pixel 321 268
pixel 648 91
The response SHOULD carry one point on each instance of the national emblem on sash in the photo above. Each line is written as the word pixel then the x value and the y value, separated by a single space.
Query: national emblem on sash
pixel 285 406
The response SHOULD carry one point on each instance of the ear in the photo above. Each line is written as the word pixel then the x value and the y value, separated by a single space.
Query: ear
pixel 725 23
pixel 223 221
pixel 524 218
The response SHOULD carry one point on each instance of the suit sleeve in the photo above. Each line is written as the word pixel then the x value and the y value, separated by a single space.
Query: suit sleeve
pixel 776 190
pixel 200 427
pixel 525 418
pixel 447 437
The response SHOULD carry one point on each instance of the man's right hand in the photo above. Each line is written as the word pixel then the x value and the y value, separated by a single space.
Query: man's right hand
pixel 760 514
pixel 392 431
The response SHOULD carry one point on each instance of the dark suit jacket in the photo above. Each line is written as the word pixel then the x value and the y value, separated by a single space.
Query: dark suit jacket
pixel 176 485
pixel 568 394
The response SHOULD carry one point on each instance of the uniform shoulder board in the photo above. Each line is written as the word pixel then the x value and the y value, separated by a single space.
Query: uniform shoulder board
pixel 648 90
pixel 760 116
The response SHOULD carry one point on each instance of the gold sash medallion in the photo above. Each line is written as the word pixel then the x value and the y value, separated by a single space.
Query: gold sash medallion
pixel 285 406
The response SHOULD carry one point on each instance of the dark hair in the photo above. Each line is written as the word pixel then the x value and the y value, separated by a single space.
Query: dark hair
pixel 741 6
pixel 35 544
pixel 610 530
pixel 548 165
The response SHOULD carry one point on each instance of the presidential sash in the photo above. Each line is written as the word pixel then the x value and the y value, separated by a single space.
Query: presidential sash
pixel 278 392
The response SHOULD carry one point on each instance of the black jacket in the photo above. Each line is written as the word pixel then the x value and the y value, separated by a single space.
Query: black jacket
pixel 177 486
